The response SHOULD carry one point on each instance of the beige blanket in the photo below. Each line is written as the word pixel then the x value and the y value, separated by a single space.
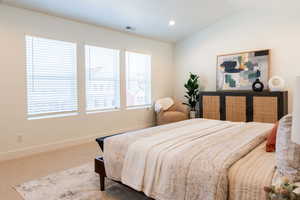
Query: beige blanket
pixel 115 148
pixel 248 176
pixel 185 160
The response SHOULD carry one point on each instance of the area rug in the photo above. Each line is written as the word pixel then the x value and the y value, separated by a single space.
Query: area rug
pixel 80 183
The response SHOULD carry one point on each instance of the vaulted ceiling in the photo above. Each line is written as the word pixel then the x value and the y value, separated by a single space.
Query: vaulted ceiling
pixel 149 18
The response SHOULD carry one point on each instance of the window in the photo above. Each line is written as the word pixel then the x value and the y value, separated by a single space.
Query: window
pixel 138 79
pixel 51 77
pixel 102 78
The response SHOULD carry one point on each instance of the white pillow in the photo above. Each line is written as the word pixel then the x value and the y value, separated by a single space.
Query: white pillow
pixel 163 104
pixel 287 152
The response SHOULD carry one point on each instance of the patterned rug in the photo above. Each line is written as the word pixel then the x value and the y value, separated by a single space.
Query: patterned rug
pixel 80 183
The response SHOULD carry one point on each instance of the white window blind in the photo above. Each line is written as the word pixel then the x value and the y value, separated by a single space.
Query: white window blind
pixel 102 78
pixel 138 79
pixel 51 76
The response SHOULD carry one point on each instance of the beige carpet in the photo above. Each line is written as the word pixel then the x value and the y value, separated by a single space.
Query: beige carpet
pixel 79 183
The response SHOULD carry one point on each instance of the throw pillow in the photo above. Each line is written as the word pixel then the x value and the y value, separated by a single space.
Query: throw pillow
pixel 287 152
pixel 271 139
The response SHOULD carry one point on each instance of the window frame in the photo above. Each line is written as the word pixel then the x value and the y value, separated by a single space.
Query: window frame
pixel 126 65
pixel 87 71
pixel 53 114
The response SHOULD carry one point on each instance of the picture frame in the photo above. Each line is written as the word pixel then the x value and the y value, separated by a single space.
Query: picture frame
pixel 238 71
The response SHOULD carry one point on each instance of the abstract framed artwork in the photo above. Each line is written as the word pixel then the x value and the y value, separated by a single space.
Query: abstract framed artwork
pixel 239 71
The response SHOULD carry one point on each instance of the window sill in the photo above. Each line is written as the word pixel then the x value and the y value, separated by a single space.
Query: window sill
pixel 52 116
pixel 147 107
pixel 102 111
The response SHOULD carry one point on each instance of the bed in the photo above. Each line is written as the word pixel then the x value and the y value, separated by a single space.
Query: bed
pixel 193 159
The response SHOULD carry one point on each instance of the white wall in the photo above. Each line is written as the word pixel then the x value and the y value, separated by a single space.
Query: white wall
pixel 42 134
pixel 277 29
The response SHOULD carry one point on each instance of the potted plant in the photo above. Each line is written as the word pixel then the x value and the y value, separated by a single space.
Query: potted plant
pixel 192 93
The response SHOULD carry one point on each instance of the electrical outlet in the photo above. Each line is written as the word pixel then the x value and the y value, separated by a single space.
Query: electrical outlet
pixel 19 137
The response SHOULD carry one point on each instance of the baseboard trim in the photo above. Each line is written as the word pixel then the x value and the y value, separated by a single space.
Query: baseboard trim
pixel 29 151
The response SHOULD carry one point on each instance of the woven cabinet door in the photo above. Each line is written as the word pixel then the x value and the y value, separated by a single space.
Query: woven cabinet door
pixel 265 109
pixel 236 108
pixel 211 107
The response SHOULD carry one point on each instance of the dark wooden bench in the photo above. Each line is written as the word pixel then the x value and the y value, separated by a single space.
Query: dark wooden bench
pixel 100 166
pixel 99 162
pixel 100 169
pixel 100 140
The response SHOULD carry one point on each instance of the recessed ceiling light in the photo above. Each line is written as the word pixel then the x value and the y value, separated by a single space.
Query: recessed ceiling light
pixel 172 23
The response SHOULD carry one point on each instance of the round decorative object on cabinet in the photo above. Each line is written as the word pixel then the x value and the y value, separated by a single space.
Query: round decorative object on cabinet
pixel 276 83
pixel 257 86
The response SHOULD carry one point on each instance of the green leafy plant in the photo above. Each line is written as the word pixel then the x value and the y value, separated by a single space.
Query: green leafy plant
pixel 192 91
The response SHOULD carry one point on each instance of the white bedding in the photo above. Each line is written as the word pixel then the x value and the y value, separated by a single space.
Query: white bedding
pixel 185 160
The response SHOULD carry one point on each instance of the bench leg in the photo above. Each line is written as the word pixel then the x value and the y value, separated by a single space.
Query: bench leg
pixel 102 182
pixel 100 169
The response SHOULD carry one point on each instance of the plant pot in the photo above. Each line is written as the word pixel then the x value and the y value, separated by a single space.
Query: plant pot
pixel 192 114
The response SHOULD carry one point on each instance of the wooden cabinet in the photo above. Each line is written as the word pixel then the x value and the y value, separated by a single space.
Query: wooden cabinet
pixel 236 108
pixel 212 107
pixel 243 106
pixel 265 109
